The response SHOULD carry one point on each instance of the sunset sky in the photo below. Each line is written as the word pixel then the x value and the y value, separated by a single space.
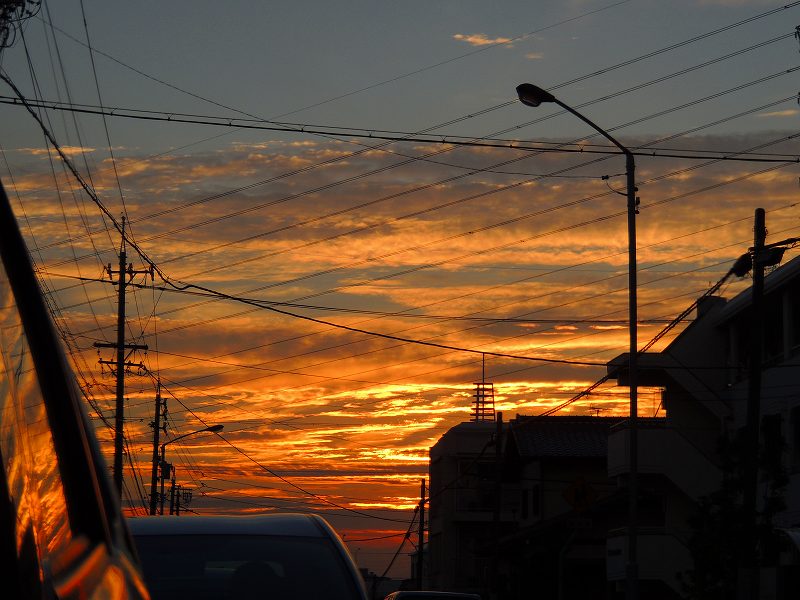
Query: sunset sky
pixel 489 249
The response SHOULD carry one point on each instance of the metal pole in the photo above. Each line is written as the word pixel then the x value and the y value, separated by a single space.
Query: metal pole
pixel 632 568
pixel 633 484
pixel 498 504
pixel 421 533
pixel 120 404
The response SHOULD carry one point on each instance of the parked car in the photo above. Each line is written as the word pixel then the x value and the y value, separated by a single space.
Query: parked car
pixel 269 557
pixel 430 595
pixel 62 534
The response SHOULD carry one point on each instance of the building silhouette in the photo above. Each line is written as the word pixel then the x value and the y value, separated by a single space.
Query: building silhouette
pixel 540 503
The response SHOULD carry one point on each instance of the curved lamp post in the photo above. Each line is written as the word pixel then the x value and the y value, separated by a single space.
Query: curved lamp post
pixel 166 466
pixel 532 95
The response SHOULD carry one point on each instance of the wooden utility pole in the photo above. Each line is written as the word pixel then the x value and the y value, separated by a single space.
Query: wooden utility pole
pixel 119 415
pixel 749 588
pixel 172 493
pixel 125 273
pixel 165 468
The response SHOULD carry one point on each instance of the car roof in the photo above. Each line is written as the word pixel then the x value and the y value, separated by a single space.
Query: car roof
pixel 422 594
pixel 291 524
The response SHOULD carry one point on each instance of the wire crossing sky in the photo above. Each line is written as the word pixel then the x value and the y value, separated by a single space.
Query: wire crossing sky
pixel 362 192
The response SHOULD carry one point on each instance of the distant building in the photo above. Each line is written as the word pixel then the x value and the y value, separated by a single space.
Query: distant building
pixel 463 484
pixel 499 523
pixel 566 506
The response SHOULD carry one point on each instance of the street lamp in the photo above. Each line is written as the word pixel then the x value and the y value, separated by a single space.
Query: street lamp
pixel 166 466
pixel 532 95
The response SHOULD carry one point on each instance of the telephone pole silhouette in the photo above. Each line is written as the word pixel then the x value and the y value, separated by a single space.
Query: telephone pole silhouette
pixel 159 424
pixel 125 274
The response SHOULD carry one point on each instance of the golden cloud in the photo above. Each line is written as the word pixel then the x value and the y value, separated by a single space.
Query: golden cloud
pixel 480 39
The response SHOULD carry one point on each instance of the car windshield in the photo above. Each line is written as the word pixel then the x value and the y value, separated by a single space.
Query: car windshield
pixel 228 567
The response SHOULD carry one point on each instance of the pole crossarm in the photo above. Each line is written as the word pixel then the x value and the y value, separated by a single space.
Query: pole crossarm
pixel 127 346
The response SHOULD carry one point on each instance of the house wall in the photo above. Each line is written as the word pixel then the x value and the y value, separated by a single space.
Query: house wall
pixel 706 396
pixel 780 390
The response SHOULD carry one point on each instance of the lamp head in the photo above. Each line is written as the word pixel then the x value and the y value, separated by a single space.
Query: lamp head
pixel 215 428
pixel 532 95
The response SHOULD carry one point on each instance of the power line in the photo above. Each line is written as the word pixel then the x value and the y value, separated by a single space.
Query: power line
pixel 442 139
pixel 663 112
pixel 362 311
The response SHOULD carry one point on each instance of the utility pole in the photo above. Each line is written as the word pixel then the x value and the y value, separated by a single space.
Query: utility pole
pixel 749 561
pixel 762 255
pixel 183 497
pixel 166 468
pixel 158 426
pixel 172 492
pixel 178 492
pixel 125 274
pixel 421 533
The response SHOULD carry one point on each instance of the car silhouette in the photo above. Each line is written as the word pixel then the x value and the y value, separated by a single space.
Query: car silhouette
pixel 62 534
pixel 269 557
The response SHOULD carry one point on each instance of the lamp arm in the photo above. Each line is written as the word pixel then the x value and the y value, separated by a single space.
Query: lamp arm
pixel 591 124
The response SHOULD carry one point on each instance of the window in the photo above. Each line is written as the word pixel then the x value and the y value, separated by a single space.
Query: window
pixel 208 567
pixel 59 524
pixel 32 473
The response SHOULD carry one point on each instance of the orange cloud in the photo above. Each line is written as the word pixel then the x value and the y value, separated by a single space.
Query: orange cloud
pixel 480 39
pixel 537 269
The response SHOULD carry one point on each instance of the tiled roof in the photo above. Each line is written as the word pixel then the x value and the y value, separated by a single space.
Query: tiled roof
pixel 562 436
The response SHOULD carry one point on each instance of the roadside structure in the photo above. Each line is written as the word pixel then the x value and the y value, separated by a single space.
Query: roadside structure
pixel 566 504
pixel 694 459
pixel 551 505
pixel 462 503
pixel 539 512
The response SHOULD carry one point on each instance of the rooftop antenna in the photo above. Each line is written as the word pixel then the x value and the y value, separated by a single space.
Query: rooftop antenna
pixel 483 398
pixel 597 409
